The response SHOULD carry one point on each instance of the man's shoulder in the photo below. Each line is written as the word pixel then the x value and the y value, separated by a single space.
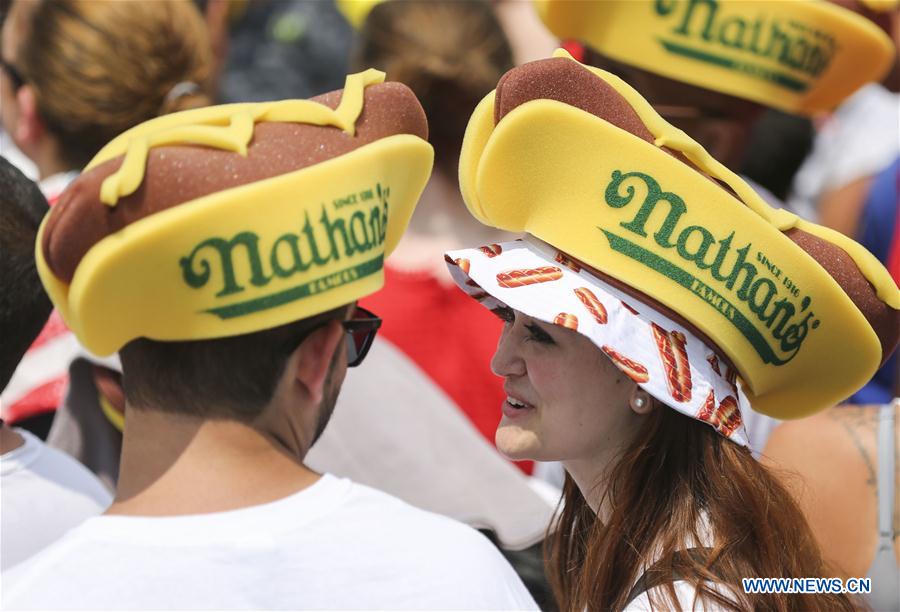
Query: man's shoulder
pixel 373 506
pixel 420 559
pixel 440 550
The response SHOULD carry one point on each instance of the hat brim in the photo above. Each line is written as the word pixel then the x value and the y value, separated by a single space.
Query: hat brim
pixel 662 356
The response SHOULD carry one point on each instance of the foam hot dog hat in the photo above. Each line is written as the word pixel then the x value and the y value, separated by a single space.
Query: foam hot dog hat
pixel 231 219
pixel 800 56
pixel 662 256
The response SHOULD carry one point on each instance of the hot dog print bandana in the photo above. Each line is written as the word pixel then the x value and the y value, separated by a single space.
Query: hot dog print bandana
pixel 663 357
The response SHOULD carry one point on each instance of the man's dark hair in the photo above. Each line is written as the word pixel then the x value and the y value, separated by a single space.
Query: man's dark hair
pixel 227 378
pixel 24 307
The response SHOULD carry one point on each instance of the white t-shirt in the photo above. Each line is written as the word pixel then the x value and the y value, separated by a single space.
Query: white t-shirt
pixel 858 140
pixel 43 494
pixel 333 545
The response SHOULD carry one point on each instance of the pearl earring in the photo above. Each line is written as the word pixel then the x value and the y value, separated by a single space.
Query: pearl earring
pixel 639 402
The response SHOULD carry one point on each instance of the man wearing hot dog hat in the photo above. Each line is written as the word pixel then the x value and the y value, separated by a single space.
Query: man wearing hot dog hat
pixel 222 251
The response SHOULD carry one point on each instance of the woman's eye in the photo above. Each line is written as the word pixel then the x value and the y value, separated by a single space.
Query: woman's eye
pixel 538 335
pixel 505 314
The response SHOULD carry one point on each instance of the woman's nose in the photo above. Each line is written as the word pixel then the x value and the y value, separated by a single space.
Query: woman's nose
pixel 506 360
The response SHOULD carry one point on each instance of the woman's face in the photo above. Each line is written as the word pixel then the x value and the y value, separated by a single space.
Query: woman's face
pixel 566 401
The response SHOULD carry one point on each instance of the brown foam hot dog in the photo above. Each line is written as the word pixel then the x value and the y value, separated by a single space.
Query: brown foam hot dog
pixel 584 90
pixel 276 148
pixel 528 276
pixel 566 320
pixel 592 304
pixel 634 370
pixel 491 250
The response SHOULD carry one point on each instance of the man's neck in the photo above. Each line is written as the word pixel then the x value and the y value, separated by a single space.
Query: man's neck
pixel 175 465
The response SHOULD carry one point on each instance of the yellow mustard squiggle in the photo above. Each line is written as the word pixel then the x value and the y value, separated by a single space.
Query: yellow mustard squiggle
pixel 668 135
pixel 236 135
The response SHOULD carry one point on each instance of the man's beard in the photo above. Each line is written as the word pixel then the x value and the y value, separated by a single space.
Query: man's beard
pixel 329 398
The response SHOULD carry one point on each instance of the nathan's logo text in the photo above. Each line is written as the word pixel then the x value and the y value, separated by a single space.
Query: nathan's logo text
pixel 703 30
pixel 763 303
pixel 357 224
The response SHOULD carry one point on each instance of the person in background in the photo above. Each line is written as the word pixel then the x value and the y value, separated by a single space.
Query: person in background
pixel 76 74
pixel 850 180
pixel 854 142
pixel 72 76
pixel 450 53
pixel 634 340
pixel 779 142
pixel 277 50
pixel 841 466
pixel 45 492
pixel 717 91
pixel 227 276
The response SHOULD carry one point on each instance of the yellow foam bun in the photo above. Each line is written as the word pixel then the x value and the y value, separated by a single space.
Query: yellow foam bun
pixel 356 11
pixel 800 56
pixel 245 258
pixel 636 213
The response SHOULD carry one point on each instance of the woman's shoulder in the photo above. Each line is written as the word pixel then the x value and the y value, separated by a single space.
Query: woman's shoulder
pixel 823 441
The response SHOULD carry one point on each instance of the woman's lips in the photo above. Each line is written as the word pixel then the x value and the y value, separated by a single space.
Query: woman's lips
pixel 514 408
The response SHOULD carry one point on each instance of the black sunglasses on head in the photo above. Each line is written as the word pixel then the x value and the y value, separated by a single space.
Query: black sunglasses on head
pixel 15 77
pixel 361 330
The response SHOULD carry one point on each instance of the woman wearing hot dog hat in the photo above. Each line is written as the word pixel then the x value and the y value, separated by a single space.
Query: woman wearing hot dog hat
pixel 654 299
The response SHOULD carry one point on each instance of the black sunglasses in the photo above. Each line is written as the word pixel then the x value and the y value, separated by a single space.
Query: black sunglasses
pixel 15 76
pixel 361 330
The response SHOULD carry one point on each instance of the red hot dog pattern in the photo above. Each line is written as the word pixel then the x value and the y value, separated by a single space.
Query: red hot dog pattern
pixel 528 276
pixel 664 358
pixel 634 370
pixel 567 320
pixel 726 418
pixel 708 411
pixel 571 264
pixel 673 354
pixel 592 304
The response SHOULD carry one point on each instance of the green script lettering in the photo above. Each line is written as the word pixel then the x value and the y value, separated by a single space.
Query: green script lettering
pixel 774 314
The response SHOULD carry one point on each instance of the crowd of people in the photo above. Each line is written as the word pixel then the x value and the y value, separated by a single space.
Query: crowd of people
pixel 623 275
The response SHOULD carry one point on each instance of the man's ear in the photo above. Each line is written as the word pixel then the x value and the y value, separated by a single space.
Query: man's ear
pixel 313 358
pixel 29 129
